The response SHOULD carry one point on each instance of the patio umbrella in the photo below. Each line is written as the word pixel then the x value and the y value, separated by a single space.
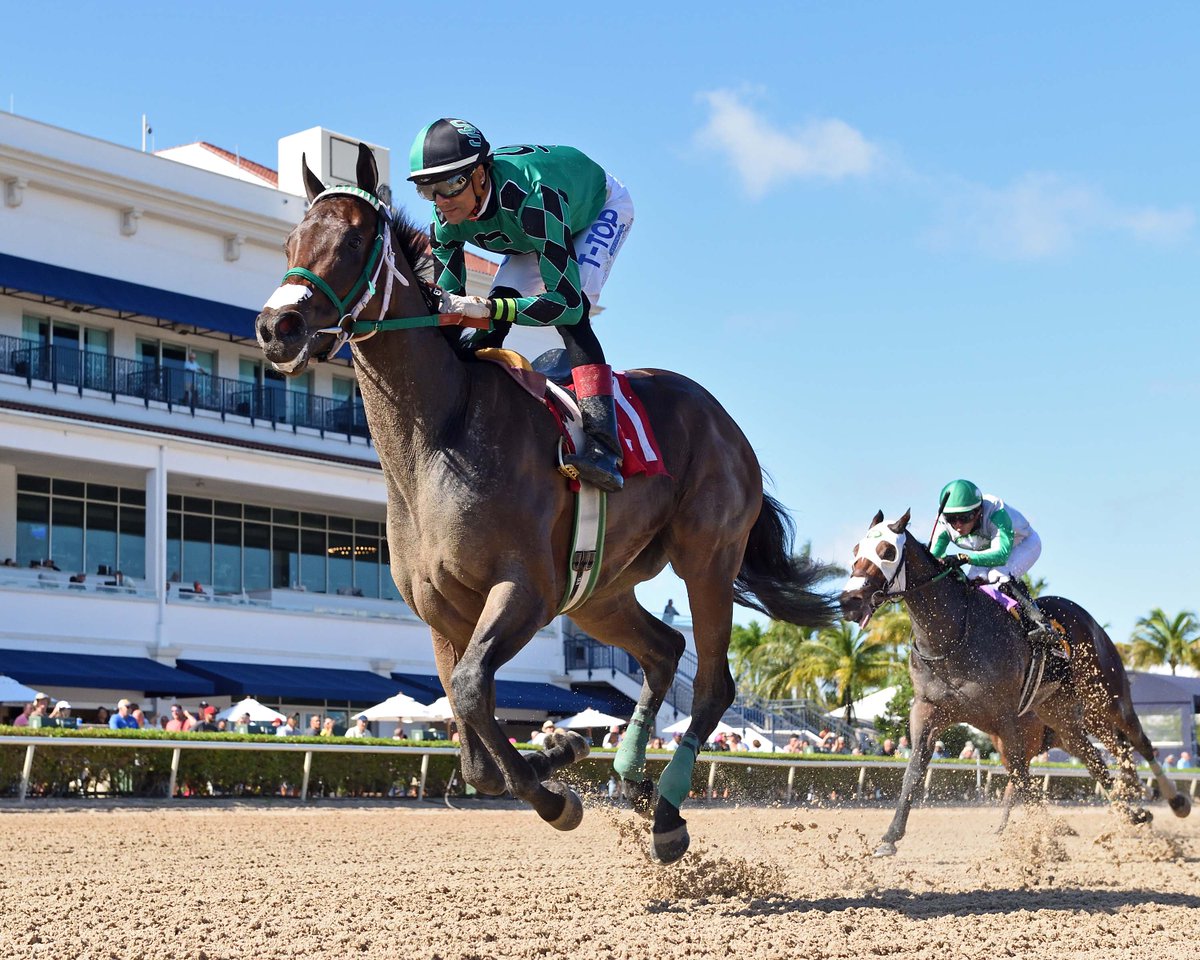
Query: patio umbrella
pixel 680 726
pixel 440 709
pixel 258 712
pixel 587 719
pixel 13 692
pixel 397 707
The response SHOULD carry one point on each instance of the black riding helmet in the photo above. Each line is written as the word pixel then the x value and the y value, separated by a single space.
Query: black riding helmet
pixel 446 147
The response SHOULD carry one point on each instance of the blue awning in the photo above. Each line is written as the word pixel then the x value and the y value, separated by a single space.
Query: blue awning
pixel 520 694
pixel 44 669
pixel 296 683
pixel 608 700
pixel 93 290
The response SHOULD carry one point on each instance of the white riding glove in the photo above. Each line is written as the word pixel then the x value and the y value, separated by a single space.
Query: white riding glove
pixel 478 308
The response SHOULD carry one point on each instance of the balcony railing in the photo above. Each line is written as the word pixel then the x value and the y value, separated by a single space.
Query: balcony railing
pixel 71 368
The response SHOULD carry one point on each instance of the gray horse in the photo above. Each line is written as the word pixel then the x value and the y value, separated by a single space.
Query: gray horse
pixel 968 663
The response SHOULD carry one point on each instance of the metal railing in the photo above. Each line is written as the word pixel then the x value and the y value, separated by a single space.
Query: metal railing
pixel 984 772
pixel 270 403
pixel 584 652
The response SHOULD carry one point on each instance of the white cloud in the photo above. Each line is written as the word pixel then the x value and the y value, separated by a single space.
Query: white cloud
pixel 1042 215
pixel 765 154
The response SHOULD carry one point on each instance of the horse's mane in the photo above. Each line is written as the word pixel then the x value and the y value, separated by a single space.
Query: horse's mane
pixel 413 244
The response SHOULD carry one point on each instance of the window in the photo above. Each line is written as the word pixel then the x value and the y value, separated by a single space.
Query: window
pixel 60 348
pixel 81 527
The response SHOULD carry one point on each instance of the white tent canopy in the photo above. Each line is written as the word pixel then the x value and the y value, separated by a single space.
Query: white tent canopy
pixel 13 692
pixel 400 707
pixel 869 707
pixel 588 719
pixel 258 712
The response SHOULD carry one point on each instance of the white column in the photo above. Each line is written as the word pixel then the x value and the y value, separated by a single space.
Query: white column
pixel 8 511
pixel 156 537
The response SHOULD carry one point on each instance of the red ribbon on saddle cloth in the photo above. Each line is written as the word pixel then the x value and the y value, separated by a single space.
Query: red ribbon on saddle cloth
pixel 640 448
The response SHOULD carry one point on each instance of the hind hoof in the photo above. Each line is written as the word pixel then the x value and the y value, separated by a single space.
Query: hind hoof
pixel 885 849
pixel 669 846
pixel 1181 806
pixel 578 744
pixel 572 811
pixel 643 795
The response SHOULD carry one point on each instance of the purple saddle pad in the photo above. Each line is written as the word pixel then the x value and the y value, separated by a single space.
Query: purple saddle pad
pixel 1007 602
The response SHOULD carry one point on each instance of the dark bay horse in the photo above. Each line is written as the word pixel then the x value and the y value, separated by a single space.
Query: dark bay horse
pixel 968 662
pixel 479 520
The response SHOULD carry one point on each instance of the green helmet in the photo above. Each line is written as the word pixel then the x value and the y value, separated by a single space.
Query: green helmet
pixel 960 496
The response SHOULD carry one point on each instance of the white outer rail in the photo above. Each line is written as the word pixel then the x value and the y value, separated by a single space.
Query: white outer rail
pixel 983 772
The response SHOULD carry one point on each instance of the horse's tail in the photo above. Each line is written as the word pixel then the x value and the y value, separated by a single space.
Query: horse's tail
pixel 775 582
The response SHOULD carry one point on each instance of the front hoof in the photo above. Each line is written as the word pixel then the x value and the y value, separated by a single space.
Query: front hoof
pixel 670 845
pixel 1180 805
pixel 885 849
pixel 643 795
pixel 1140 815
pixel 572 810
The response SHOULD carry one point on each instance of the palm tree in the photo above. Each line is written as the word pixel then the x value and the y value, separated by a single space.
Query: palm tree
pixel 893 627
pixel 743 641
pixel 843 657
pixel 768 669
pixel 1157 639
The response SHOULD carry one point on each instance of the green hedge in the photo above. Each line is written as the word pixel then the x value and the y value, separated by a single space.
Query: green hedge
pixel 146 772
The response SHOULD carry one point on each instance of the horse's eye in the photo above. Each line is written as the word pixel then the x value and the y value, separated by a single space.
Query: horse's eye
pixel 354 242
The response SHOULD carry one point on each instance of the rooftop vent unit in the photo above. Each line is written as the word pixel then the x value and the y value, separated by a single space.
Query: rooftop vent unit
pixel 333 157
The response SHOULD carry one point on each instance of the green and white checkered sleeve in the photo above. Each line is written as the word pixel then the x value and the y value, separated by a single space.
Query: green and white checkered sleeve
pixel 544 220
pixel 450 272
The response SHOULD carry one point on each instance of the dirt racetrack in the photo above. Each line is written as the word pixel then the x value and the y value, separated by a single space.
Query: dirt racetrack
pixel 248 881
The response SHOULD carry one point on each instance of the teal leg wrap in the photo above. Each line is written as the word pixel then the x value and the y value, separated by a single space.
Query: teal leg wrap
pixel 630 761
pixel 676 780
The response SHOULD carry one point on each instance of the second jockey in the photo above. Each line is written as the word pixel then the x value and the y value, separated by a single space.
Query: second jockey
pixel 995 541
pixel 560 220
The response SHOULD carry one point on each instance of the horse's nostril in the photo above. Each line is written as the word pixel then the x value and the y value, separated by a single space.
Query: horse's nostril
pixel 287 325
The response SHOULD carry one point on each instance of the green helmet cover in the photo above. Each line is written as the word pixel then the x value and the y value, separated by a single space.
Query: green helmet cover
pixel 960 496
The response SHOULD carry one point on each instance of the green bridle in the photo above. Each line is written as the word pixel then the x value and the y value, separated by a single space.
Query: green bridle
pixel 370 272
pixel 382 258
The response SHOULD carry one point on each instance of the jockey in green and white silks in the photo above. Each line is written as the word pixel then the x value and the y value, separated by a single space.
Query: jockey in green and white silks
pixel 560 220
pixel 996 539
pixel 992 540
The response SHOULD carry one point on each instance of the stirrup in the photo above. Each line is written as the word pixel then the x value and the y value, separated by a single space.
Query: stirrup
pixel 592 469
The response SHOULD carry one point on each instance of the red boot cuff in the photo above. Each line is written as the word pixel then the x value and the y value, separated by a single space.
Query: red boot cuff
pixel 593 380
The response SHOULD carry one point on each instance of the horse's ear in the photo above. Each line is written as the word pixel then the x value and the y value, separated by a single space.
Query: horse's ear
pixel 877 520
pixel 900 525
pixel 313 186
pixel 368 172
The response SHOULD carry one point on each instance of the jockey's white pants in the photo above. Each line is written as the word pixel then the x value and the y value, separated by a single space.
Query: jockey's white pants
pixel 1023 556
pixel 595 248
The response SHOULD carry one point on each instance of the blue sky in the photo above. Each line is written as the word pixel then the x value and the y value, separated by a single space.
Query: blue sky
pixel 901 243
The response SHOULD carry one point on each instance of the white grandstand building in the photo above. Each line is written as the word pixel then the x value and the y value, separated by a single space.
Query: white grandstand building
pixel 217 530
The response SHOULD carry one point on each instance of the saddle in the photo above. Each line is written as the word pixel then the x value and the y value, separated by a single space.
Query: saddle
pixel 1046 673
pixel 549 380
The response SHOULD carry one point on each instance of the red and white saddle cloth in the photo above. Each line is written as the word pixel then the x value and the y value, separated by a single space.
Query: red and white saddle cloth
pixel 641 453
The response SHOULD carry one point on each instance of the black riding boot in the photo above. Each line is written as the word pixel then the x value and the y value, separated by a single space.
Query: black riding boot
pixel 599 462
pixel 1041 631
